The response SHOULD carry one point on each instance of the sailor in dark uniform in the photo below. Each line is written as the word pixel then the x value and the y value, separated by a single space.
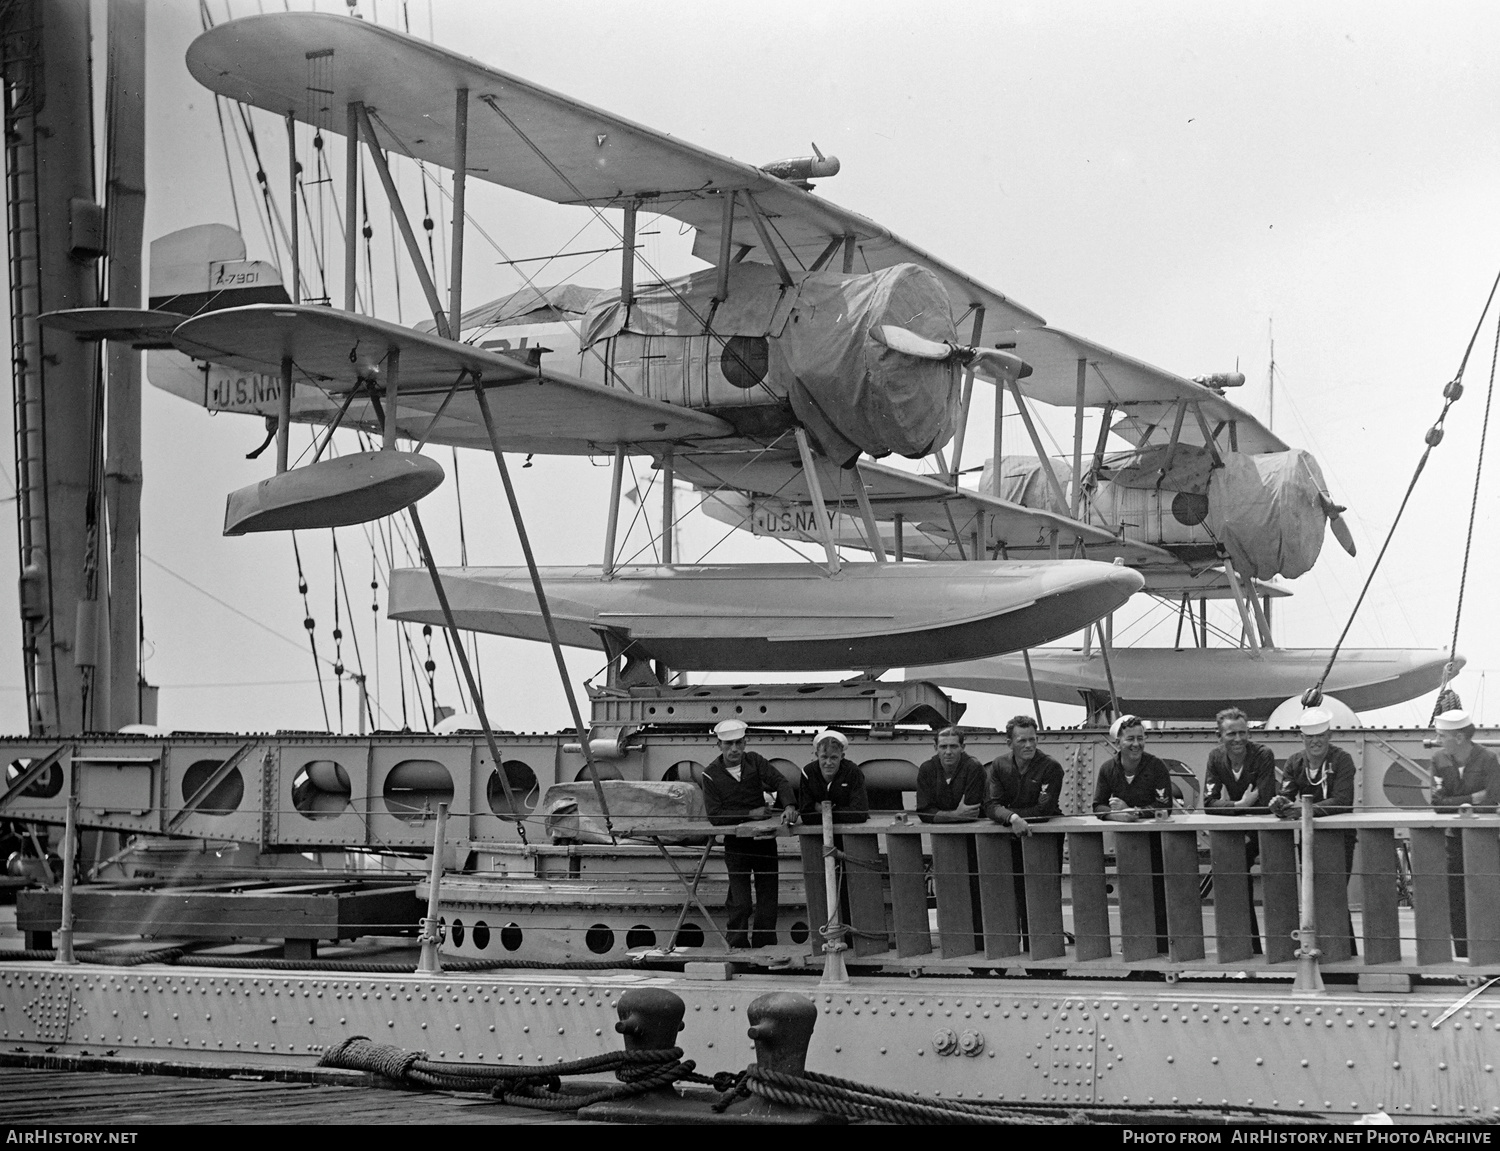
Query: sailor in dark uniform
pixel 1322 771
pixel 1023 784
pixel 1131 785
pixel 735 786
pixel 1327 774
pixel 1241 777
pixel 832 777
pixel 1464 774
pixel 950 785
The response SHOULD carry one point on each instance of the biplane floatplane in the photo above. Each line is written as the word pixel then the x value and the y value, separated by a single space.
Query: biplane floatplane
pixel 817 343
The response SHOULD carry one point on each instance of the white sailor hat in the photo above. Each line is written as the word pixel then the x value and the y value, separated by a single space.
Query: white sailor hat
pixel 829 733
pixel 1455 720
pixel 731 730
pixel 1315 721
pixel 1122 723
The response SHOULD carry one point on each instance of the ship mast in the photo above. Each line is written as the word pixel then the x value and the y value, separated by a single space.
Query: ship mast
pixel 125 202
pixel 55 233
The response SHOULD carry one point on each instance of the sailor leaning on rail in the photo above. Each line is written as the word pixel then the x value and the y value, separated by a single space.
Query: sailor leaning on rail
pixel 1321 770
pixel 1024 784
pixel 950 785
pixel 1463 775
pixel 1131 785
pixel 1327 774
pixel 735 787
pixel 1240 778
pixel 832 777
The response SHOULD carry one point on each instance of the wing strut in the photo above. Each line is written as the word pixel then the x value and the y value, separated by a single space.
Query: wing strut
pixel 351 200
pixel 726 243
pixel 616 480
pixel 627 255
pixel 393 198
pixel 668 505
pixel 460 185
pixel 291 151
pixel 1083 367
pixel 1208 437
pixel 1041 452
pixel 474 693
pixel 963 416
pixel 815 486
pixel 1252 633
pixel 541 603
pixel 765 238
pixel 872 530
pixel 284 416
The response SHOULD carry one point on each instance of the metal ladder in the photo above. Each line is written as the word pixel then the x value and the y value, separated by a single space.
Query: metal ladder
pixel 20 69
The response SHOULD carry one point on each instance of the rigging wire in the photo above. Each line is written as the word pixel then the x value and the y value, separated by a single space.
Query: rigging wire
pixel 310 624
pixel 1453 390
pixel 430 667
pixel 234 196
pixel 463 559
pixel 338 630
pixel 1463 574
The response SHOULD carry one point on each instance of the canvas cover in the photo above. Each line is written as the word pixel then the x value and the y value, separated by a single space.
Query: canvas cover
pixel 1265 509
pixel 530 305
pixel 573 813
pixel 848 389
pixel 1024 482
pixel 758 305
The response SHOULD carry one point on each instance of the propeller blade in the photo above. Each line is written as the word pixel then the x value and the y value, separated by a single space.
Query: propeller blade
pixel 1335 513
pixel 909 343
pixel 999 366
pixel 1341 533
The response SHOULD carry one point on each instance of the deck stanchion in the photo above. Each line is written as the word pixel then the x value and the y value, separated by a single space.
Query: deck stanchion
pixel 1309 979
pixel 833 941
pixel 70 850
pixel 431 963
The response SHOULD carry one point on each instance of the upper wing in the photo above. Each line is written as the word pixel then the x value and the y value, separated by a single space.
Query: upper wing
pixel 1147 397
pixel 524 136
pixel 332 350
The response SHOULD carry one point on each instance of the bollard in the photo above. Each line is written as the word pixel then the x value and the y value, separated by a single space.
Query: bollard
pixel 650 1018
pixel 1309 979
pixel 781 1025
pixel 431 963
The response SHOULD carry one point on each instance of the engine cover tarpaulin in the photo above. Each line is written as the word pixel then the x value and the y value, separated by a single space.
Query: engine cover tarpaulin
pixel 850 390
pixel 1265 509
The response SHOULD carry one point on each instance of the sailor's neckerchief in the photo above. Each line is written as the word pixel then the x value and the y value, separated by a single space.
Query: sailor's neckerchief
pixel 1321 780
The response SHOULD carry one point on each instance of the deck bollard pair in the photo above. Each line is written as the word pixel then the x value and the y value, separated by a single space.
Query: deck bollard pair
pixel 781 1025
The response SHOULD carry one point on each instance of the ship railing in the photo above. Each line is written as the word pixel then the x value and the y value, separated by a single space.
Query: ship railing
pixel 1081 896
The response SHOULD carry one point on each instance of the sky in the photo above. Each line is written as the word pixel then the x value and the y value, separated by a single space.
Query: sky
pixel 1173 180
